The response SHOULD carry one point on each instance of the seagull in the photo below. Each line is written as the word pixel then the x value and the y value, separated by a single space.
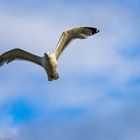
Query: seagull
pixel 50 59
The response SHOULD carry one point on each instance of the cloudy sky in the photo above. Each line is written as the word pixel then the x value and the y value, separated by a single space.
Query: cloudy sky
pixel 98 94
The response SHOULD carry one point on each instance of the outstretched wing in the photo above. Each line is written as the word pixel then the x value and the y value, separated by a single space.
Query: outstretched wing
pixel 74 33
pixel 19 54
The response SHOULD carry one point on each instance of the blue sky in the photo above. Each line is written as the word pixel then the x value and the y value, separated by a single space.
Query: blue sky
pixel 98 93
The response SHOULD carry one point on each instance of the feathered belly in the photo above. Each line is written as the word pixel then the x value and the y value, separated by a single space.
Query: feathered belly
pixel 51 69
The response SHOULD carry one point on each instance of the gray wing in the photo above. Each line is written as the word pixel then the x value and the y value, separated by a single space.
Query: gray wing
pixel 74 33
pixel 20 54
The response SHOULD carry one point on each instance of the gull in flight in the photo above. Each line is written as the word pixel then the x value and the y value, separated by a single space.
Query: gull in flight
pixel 49 60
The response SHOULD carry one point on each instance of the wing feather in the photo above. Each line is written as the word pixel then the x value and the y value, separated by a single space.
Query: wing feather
pixel 71 34
pixel 19 54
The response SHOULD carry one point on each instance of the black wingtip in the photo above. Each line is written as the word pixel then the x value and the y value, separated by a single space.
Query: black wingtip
pixel 94 30
pixel 1 61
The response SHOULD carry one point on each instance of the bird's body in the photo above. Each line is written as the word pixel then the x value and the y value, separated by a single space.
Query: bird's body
pixel 49 63
pixel 50 60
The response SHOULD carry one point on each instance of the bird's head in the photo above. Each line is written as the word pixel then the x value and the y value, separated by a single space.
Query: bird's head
pixel 48 54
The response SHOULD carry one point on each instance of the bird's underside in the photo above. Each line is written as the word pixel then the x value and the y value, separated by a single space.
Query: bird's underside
pixel 49 60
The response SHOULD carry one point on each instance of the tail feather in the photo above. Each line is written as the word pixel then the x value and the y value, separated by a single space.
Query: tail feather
pixel 53 76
